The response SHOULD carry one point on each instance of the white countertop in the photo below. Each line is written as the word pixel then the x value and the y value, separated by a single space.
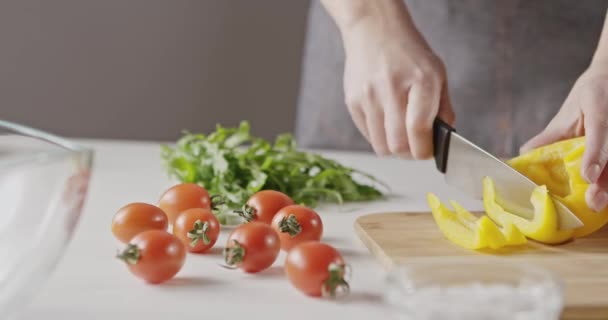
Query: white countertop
pixel 89 283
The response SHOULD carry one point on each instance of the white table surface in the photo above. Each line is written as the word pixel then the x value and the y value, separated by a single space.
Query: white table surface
pixel 89 283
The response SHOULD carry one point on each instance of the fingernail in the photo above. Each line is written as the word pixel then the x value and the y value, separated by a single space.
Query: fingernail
pixel 592 173
pixel 599 201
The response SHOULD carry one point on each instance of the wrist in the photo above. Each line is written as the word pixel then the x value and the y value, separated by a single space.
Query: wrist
pixel 354 16
pixel 380 27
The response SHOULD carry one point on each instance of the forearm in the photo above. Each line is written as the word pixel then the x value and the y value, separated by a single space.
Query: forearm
pixel 389 15
pixel 601 53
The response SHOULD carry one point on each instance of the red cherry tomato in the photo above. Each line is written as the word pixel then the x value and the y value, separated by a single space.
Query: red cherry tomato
pixel 316 269
pixel 154 256
pixel 296 224
pixel 182 197
pixel 197 228
pixel 135 218
pixel 252 247
pixel 263 205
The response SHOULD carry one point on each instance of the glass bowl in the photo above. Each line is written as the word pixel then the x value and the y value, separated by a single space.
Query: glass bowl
pixel 43 184
pixel 473 289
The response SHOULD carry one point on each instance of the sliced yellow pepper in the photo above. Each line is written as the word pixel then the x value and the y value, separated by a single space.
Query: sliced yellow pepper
pixel 468 231
pixel 544 225
pixel 513 235
pixel 558 166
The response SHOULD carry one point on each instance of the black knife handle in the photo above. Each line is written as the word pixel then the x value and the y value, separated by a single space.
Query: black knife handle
pixel 441 143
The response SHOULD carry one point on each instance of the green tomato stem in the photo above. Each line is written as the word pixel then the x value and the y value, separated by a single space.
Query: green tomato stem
pixel 290 225
pixel 130 255
pixel 234 255
pixel 199 232
pixel 217 200
pixel 335 283
pixel 248 212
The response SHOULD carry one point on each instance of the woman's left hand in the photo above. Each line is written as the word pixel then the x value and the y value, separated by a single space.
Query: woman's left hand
pixel 585 112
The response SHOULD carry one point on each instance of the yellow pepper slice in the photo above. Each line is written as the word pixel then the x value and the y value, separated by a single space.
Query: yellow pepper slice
pixel 494 238
pixel 543 227
pixel 558 167
pixel 511 234
pixel 468 231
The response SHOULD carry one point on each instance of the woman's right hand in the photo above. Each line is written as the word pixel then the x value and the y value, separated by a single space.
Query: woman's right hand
pixel 394 87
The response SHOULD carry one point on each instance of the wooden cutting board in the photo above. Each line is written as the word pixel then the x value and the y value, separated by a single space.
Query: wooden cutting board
pixel 396 238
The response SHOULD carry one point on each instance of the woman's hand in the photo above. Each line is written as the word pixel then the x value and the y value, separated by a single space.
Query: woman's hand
pixel 394 87
pixel 585 112
pixel 394 84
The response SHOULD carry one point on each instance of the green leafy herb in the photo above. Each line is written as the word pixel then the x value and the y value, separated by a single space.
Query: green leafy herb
pixel 234 164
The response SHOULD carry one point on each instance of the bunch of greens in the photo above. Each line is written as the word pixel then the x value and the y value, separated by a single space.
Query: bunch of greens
pixel 234 164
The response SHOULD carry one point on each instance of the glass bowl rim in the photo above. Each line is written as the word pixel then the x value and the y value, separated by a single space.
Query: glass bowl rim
pixel 67 148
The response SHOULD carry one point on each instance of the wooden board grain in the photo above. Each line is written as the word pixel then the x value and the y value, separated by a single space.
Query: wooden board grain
pixel 399 237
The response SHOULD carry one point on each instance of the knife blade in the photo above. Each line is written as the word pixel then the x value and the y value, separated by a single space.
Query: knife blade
pixel 464 166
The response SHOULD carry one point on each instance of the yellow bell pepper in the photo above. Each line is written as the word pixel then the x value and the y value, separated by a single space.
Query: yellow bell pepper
pixel 544 225
pixel 511 234
pixel 558 166
pixel 468 231
pixel 489 230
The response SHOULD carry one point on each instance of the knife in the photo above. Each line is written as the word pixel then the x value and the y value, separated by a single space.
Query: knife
pixel 464 166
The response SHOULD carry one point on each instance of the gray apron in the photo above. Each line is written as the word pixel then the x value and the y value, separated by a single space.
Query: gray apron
pixel 510 64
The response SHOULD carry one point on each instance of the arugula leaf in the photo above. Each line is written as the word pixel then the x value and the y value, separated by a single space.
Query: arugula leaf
pixel 233 163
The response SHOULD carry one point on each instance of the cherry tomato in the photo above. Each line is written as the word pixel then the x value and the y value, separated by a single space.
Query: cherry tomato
pixel 154 256
pixel 316 269
pixel 197 228
pixel 263 205
pixel 252 247
pixel 182 197
pixel 296 224
pixel 135 218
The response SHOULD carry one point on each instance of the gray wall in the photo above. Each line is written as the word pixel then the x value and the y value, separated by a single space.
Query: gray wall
pixel 146 69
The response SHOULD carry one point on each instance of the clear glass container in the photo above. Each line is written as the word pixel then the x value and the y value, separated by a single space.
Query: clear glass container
pixel 43 184
pixel 472 289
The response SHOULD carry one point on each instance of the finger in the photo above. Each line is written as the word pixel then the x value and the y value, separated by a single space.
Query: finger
pixel 595 120
pixel 446 112
pixel 394 104
pixel 358 117
pixel 602 182
pixel 597 193
pixel 374 119
pixel 423 105
pixel 596 197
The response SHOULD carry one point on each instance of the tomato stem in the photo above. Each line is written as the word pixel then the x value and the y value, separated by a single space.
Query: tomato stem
pixel 290 225
pixel 217 200
pixel 335 283
pixel 130 255
pixel 234 255
pixel 248 212
pixel 199 232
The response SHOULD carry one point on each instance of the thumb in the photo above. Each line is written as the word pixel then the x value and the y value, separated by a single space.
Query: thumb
pixel 549 135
